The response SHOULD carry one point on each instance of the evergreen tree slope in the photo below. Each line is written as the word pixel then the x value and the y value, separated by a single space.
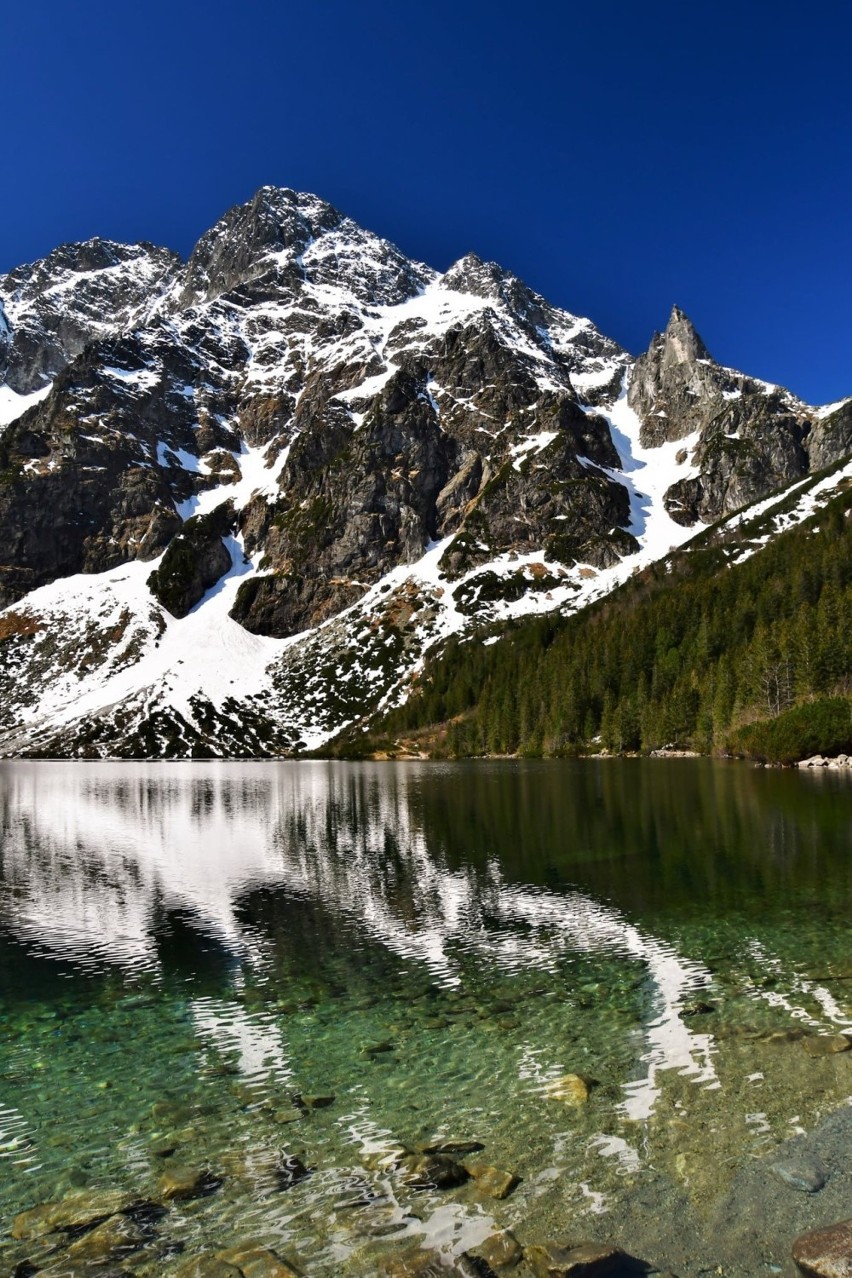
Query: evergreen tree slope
pixel 730 645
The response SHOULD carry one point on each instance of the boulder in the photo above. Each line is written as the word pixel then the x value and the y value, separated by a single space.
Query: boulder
pixel 825 1253
pixel 195 560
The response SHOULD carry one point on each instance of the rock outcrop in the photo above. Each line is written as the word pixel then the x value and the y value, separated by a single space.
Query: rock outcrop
pixel 746 438
pixel 196 559
pixel 54 308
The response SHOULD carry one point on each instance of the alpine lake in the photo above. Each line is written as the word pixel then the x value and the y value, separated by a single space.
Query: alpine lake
pixel 409 1019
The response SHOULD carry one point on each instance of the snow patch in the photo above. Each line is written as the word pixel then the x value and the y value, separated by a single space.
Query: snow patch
pixel 12 405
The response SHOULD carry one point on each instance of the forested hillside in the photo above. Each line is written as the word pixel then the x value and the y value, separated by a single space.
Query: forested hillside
pixel 695 652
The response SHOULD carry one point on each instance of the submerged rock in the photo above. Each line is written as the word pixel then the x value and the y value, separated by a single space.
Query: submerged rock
pixel 433 1171
pixel 588 1260
pixel 249 1261
pixel 76 1211
pixel 428 1264
pixel 289 1170
pixel 175 1113
pixel 286 1115
pixel 698 1008
pixel 803 1173
pixel 116 1237
pixel 499 1251
pixel 389 1158
pixel 378 1049
pixel 181 1183
pixel 572 1089
pixel 456 1148
pixel 252 1261
pixel 313 1102
pixel 825 1253
pixel 826 1044
pixel 208 1266
pixel 492 1181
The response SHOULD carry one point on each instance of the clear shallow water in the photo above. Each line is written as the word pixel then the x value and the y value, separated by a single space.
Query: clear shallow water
pixel 185 949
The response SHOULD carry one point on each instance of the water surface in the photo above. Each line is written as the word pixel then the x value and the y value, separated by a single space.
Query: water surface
pixel 191 953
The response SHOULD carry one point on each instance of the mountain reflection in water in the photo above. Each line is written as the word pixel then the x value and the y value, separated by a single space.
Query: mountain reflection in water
pixel 503 867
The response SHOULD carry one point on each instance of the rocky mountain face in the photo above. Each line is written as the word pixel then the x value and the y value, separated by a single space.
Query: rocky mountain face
pixel 318 458
pixel 52 309
pixel 746 438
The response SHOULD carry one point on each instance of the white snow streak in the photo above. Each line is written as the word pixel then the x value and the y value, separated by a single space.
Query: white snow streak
pixel 13 405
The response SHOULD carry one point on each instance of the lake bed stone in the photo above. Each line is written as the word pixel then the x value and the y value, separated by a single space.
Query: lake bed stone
pixel 586 1260
pixel 289 1170
pixel 492 1180
pixel 826 1044
pixel 455 1148
pixel 571 1089
pixel 207 1266
pixel 426 1264
pixel 377 1049
pixel 179 1184
pixel 801 1172
pixel 258 1262
pixel 389 1158
pixel 825 1253
pixel 499 1251
pixel 285 1115
pixel 75 1211
pixel 113 1238
pixel 433 1171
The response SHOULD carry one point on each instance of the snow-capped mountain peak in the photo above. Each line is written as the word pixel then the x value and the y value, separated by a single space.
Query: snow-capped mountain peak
pixel 312 459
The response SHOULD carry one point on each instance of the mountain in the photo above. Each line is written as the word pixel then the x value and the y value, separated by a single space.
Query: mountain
pixel 244 495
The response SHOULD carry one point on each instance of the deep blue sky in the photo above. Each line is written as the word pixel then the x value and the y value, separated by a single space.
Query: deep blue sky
pixel 619 156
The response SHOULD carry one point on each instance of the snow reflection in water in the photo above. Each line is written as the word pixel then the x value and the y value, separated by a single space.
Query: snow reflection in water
pixel 190 953
pixel 93 853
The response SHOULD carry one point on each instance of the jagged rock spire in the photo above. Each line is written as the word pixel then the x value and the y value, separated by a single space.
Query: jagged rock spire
pixel 681 341
pixel 668 378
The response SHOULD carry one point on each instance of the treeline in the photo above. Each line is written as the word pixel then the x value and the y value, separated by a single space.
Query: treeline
pixel 686 655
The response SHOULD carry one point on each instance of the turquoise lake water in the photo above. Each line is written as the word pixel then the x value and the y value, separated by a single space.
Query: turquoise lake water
pixel 222 967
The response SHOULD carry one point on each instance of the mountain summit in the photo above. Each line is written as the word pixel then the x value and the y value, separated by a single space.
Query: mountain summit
pixel 243 495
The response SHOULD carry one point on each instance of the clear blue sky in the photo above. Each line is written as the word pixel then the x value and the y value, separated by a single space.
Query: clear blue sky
pixel 618 156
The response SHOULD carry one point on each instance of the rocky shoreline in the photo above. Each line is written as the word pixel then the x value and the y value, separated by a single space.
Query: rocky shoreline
pixel 798 1191
pixel 839 762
